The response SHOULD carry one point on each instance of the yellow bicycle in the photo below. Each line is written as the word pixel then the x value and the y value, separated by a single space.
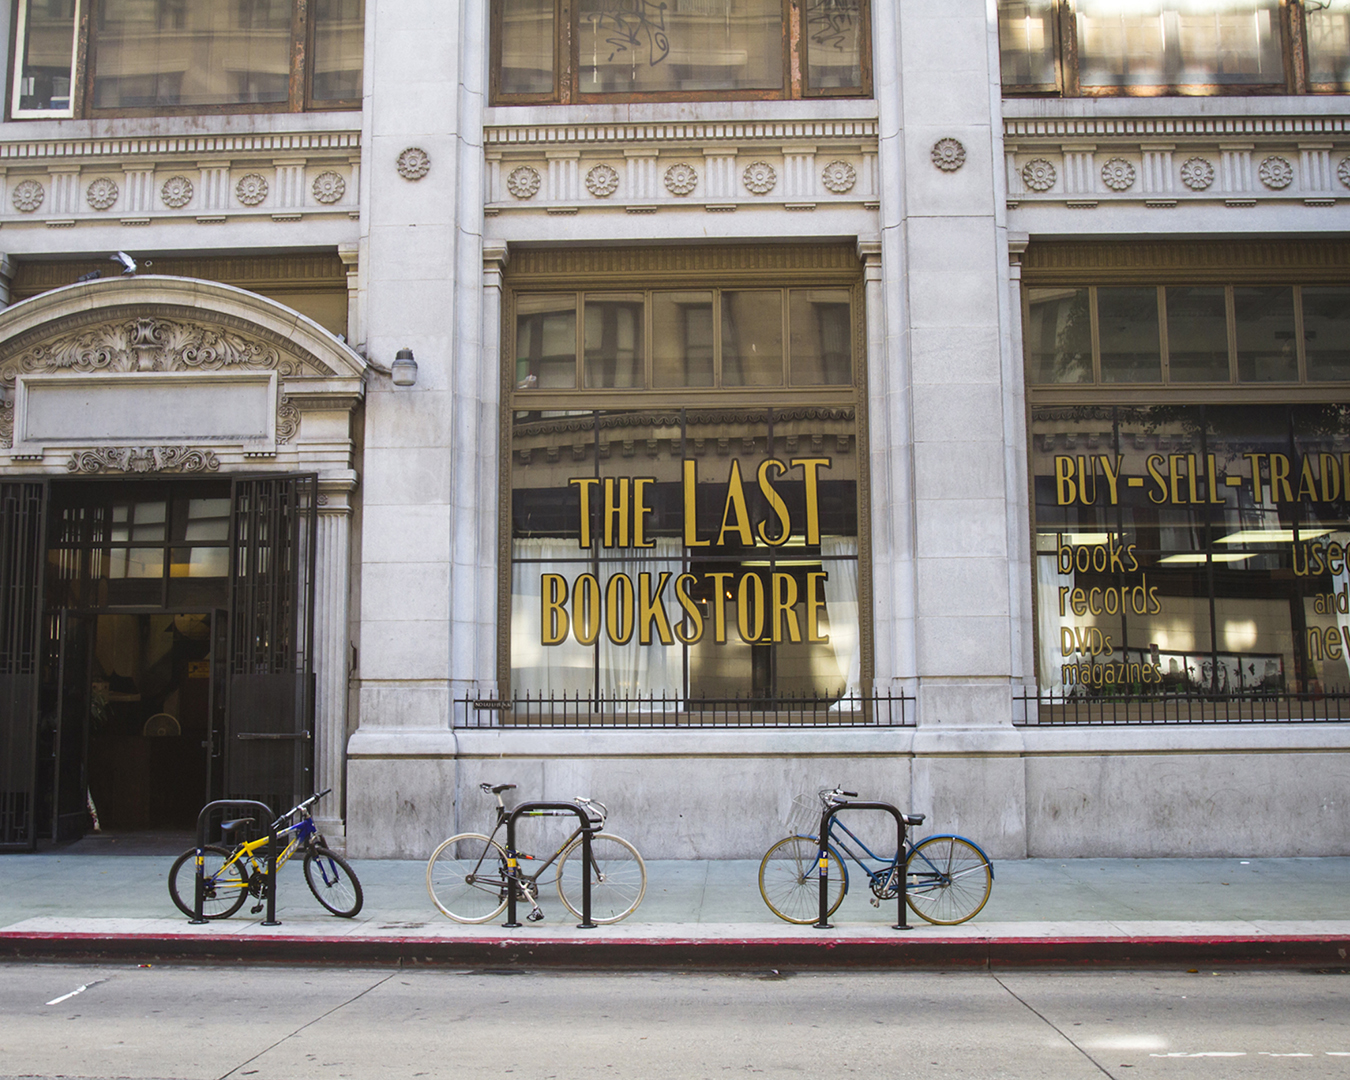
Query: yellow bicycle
pixel 232 875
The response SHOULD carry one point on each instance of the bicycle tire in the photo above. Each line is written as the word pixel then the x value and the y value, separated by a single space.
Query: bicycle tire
pixel 789 879
pixel 948 880
pixel 619 882
pixel 223 895
pixel 342 894
pixel 468 888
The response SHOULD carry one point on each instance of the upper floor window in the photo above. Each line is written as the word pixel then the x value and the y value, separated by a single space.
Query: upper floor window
pixel 563 51
pixel 79 58
pixel 1193 47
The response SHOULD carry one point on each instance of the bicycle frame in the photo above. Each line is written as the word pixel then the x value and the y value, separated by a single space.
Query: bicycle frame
pixel 514 872
pixel 888 865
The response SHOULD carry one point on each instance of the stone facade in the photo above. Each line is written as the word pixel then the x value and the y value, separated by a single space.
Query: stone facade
pixel 936 180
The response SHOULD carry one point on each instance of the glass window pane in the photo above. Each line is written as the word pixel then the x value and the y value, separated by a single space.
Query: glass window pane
pixel 1328 34
pixel 1026 42
pixel 1326 331
pixel 546 341
pixel 207 519
pixel 136 563
pixel 752 338
pixel 527 47
pixel 200 562
pixel 196 52
pixel 645 45
pixel 833 45
pixel 339 48
pixel 682 339
pixel 1058 336
pixel 614 339
pixel 1127 328
pixel 46 56
pixel 1197 334
pixel 1178 42
pixel 821 337
pixel 1266 348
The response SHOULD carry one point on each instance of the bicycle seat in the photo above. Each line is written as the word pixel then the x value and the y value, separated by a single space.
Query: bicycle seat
pixel 499 788
pixel 236 823
pixel 913 819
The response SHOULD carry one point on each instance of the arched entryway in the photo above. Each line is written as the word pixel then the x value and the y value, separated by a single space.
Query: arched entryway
pixel 176 476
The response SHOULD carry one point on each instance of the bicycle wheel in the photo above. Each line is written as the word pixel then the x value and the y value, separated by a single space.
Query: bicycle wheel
pixel 466 877
pixel 333 882
pixel 225 887
pixel 618 880
pixel 949 880
pixel 789 879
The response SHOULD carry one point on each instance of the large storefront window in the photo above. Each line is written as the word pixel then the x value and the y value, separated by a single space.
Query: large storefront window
pixel 594 50
pixel 1190 456
pixel 1148 47
pixel 685 475
pixel 1199 549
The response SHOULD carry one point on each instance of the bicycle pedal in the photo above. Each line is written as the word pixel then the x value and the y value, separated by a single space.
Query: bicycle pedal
pixel 534 916
pixel 875 902
pixel 255 909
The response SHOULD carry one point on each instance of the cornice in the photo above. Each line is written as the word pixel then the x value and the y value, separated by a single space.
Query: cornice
pixel 243 144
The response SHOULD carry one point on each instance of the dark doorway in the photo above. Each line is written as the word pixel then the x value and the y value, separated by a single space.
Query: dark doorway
pixel 150 720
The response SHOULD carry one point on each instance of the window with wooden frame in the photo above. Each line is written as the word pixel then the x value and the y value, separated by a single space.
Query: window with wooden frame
pixel 1099 48
pixel 566 51
pixel 1189 426
pixel 86 58
pixel 687 489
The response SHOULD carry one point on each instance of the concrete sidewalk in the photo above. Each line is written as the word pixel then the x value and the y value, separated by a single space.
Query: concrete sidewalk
pixel 81 902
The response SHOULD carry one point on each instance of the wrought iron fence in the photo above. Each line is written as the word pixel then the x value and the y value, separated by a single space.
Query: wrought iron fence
pixel 1051 710
pixel 655 711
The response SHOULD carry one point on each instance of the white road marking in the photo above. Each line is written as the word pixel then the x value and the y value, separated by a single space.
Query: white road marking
pixel 77 990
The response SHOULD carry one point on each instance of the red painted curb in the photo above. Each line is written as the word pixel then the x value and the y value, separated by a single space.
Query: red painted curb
pixel 1316 951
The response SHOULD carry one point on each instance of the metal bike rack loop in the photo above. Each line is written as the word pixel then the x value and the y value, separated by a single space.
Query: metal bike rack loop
pixel 511 858
pixel 200 887
pixel 823 862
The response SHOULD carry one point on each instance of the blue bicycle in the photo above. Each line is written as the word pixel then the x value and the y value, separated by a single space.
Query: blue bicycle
pixel 948 878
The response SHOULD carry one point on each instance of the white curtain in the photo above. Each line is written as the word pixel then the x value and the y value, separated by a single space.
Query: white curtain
pixel 536 668
pixel 1049 622
pixel 635 670
pixel 626 671
pixel 841 601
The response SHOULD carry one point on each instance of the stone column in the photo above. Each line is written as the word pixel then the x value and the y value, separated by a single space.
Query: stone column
pixel 332 647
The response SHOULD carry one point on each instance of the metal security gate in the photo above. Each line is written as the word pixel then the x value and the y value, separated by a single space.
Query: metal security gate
pixel 21 560
pixel 269 730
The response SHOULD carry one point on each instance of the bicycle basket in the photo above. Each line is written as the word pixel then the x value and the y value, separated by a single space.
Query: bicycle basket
pixel 804 815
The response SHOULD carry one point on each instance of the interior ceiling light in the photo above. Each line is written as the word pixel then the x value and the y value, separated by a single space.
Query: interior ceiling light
pixel 1199 557
pixel 1271 536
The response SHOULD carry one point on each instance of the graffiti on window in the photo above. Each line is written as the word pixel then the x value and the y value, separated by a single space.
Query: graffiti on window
pixel 632 26
pixel 831 24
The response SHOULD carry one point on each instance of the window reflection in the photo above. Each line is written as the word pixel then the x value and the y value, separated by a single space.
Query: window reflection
pixel 752 338
pixel 1127 320
pixel 527 34
pixel 1058 335
pixel 682 339
pixel 821 337
pixel 47 56
pixel 339 48
pixel 1326 331
pixel 614 339
pixel 1328 36
pixel 197 52
pixel 546 341
pixel 646 46
pixel 1124 43
pixel 1026 39
pixel 1197 334
pixel 1264 328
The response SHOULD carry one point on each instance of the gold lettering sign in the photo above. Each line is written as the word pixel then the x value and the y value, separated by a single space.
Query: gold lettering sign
pixel 1190 480
pixel 624 609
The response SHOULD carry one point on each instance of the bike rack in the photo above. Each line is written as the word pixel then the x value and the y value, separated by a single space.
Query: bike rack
pixel 586 863
pixel 823 861
pixel 199 889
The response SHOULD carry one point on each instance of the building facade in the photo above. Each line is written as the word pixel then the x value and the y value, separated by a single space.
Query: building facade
pixel 689 405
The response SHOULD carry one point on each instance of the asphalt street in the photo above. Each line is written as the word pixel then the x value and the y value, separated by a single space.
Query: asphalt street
pixel 74 1021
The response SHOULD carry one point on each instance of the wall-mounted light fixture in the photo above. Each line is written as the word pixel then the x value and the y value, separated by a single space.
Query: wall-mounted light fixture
pixel 404 367
pixel 403 371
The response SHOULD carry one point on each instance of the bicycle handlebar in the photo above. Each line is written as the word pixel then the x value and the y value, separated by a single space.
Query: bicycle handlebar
pixel 300 806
